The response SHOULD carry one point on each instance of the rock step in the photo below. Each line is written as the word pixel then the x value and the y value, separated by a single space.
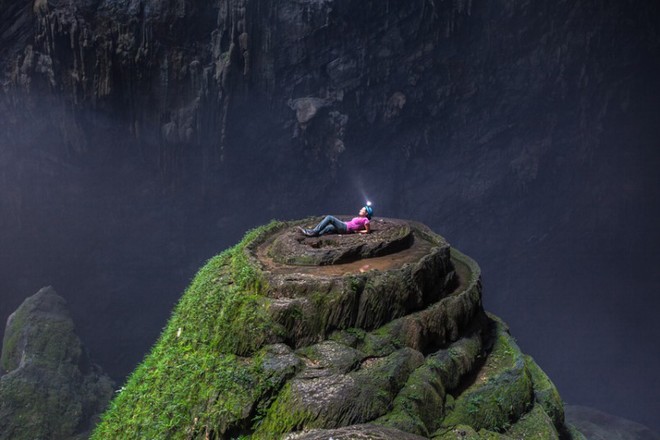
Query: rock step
pixel 310 303
pixel 337 385
pixel 263 349
pixel 509 390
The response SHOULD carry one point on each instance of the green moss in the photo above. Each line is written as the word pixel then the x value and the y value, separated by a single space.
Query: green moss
pixel 335 401
pixel 574 434
pixel 419 407
pixel 545 393
pixel 350 337
pixel 534 425
pixel 380 383
pixel 501 391
pixel 32 409
pixel 194 380
pixel 380 342
pixel 9 358
pixel 47 339
pixel 418 403
pixel 283 416
pixel 464 432
pixel 47 395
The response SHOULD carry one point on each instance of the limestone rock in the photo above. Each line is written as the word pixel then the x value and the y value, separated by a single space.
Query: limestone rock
pixel 267 347
pixel 51 389
pixel 307 108
pixel 355 432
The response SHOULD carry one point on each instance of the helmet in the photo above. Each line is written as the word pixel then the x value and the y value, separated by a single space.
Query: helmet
pixel 369 210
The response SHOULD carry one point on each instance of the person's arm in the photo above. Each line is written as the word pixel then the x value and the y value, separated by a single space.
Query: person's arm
pixel 365 230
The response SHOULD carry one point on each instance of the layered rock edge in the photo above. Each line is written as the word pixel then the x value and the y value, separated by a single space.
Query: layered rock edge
pixel 391 346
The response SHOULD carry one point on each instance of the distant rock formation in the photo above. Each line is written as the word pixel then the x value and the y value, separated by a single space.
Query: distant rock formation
pixel 275 339
pixel 51 390
pixel 597 425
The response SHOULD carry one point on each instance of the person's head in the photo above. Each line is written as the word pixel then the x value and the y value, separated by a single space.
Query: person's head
pixel 366 211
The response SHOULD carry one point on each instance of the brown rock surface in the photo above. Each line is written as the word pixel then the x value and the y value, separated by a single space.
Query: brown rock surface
pixel 399 268
pixel 387 236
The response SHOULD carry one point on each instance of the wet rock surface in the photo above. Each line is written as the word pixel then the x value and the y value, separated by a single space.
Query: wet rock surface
pixel 355 432
pixel 387 236
pixel 400 268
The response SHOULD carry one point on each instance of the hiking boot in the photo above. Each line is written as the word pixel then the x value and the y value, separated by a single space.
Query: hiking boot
pixel 307 232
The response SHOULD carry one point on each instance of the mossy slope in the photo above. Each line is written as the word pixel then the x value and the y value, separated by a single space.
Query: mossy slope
pixel 204 376
pixel 241 358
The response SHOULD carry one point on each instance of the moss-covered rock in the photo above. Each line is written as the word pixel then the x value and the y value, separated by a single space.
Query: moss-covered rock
pixel 535 424
pixel 354 432
pixel 420 405
pixel 371 348
pixel 465 432
pixel 51 389
pixel 545 393
pixel 331 401
pixel 312 302
pixel 500 391
pixel 206 374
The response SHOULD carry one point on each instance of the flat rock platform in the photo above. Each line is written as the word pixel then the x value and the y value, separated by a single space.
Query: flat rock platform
pixel 387 236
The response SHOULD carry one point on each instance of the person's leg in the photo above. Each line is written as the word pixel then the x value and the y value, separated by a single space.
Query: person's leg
pixel 330 229
pixel 333 225
pixel 323 223
pixel 330 220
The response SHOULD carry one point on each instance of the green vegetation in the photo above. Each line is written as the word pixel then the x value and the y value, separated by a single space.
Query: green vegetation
pixel 222 369
pixel 195 380
pixel 501 391
pixel 46 395
pixel 9 359
pixel 283 416
pixel 333 401
pixel 545 393
pixel 534 425
pixel 420 405
pixel 51 341
pixel 464 432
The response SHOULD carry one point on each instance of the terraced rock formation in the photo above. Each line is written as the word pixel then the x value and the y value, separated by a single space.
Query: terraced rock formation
pixel 377 336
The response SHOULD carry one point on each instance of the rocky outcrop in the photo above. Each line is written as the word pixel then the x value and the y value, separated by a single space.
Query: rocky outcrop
pixel 390 346
pixel 50 388
pixel 595 424
pixel 388 236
